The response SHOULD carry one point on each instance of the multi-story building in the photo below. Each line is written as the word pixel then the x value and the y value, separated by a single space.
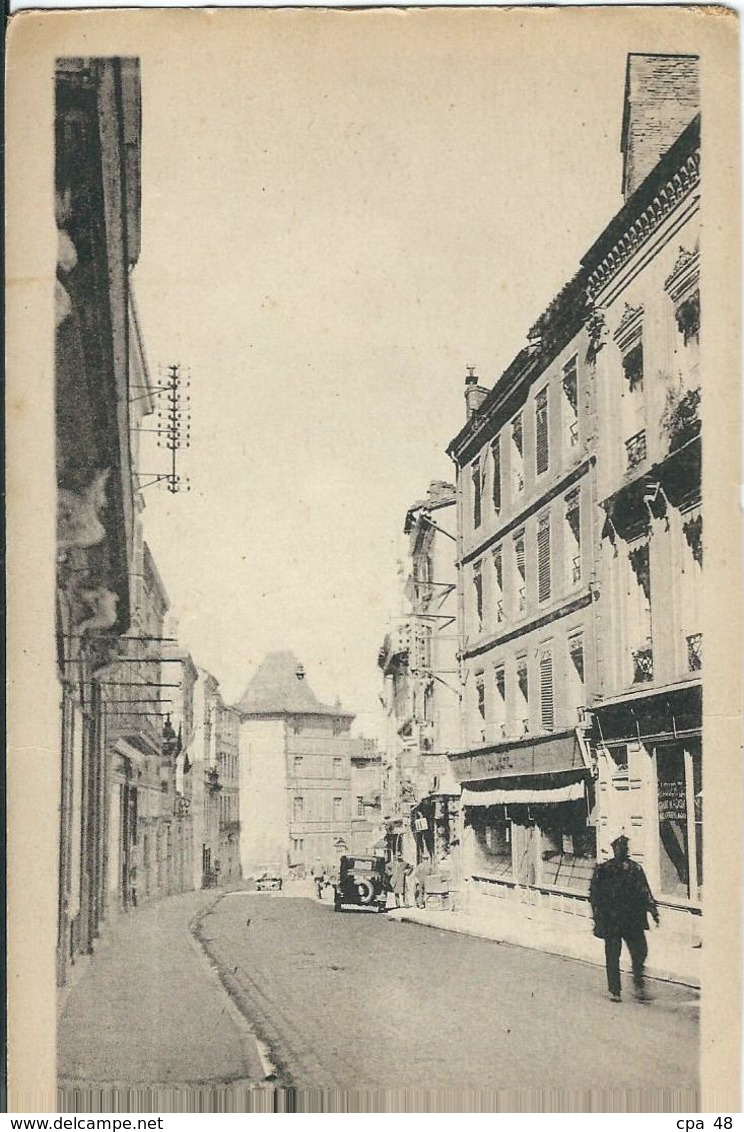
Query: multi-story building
pixel 228 766
pixel 421 691
pixel 206 784
pixel 295 772
pixel 97 350
pixel 643 282
pixel 579 548
pixel 366 802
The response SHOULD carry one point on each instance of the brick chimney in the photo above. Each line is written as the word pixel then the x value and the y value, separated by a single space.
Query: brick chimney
pixel 475 394
pixel 661 99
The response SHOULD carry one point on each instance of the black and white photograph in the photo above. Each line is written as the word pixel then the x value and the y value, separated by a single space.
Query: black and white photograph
pixel 358 756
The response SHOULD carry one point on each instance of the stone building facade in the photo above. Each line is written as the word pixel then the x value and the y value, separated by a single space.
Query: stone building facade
pixel 580 550
pixel 295 773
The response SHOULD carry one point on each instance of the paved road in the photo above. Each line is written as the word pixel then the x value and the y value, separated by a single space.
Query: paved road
pixel 355 999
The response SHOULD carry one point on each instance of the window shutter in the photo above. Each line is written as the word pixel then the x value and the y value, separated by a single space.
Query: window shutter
pixel 500 682
pixel 546 691
pixel 541 432
pixel 496 487
pixel 543 558
pixel 477 485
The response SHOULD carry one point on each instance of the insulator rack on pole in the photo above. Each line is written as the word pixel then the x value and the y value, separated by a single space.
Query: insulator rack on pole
pixel 173 428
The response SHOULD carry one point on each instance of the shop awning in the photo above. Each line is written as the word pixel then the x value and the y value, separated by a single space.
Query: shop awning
pixel 524 795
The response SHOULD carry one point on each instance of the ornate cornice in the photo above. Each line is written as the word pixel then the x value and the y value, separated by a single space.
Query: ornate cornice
pixel 674 179
pixel 684 275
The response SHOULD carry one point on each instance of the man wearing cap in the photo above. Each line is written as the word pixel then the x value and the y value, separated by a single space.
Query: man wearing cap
pixel 621 900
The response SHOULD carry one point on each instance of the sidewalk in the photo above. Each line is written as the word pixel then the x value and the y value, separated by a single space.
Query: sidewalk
pixel 149 1010
pixel 671 958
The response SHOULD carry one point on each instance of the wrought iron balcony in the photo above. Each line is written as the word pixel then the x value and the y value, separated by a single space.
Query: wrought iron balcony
pixel 643 666
pixel 635 449
pixel 695 652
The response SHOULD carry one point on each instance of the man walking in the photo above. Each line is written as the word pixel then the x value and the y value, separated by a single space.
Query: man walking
pixel 621 899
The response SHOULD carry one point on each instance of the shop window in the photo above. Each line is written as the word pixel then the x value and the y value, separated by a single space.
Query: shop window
pixel 542 449
pixel 517 455
pixel 498 583
pixel 547 716
pixel 570 387
pixel 568 848
pixel 679 793
pixel 499 701
pixel 477 488
pixel 520 573
pixel 492 836
pixel 478 590
pixel 496 468
pixel 572 537
pixel 543 558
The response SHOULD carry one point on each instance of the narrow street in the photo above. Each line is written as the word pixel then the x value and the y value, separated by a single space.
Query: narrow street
pixel 356 998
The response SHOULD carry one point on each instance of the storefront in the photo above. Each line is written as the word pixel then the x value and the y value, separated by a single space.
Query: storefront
pixel 650 787
pixel 529 825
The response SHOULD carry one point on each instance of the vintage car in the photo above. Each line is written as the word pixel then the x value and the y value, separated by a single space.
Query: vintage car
pixel 362 882
pixel 269 880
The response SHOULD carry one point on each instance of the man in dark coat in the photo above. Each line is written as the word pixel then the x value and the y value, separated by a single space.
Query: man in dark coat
pixel 621 900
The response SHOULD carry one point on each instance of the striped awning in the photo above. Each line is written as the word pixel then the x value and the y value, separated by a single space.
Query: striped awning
pixel 523 795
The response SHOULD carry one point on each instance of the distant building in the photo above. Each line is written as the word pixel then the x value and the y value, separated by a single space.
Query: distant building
pixel 228 766
pixel 580 549
pixel 421 692
pixel 206 785
pixel 295 772
pixel 367 830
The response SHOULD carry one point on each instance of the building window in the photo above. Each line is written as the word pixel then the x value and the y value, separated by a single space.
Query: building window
pixel 687 315
pixel 523 695
pixel 547 716
pixel 478 588
pixel 517 455
pixel 480 701
pixel 299 807
pixel 298 844
pixel 298 764
pixel 635 449
pixel 360 806
pixel 542 453
pixel 499 701
pixel 337 768
pixel 680 804
pixel 496 484
pixel 338 804
pixel 543 558
pixel 477 483
pixel 639 614
pixel 633 365
pixel 498 583
pixel 520 572
pixel 576 695
pixel 573 537
pixel 570 386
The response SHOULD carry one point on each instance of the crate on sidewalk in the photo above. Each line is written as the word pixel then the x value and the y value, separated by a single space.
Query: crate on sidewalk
pixel 436 892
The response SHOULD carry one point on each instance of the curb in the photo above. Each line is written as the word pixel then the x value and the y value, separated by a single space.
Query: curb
pixel 658 973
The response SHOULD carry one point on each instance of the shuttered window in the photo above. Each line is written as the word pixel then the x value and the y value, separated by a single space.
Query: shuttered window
pixel 480 694
pixel 543 558
pixel 498 576
pixel 478 587
pixel 475 471
pixel 521 582
pixel 496 486
pixel 541 432
pixel 547 717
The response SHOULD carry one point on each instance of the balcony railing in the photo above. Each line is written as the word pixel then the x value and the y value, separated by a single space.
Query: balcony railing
pixel 695 652
pixel 635 449
pixel 525 726
pixel 643 666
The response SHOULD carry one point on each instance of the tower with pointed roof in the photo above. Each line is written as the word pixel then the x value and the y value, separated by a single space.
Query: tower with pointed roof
pixel 295 758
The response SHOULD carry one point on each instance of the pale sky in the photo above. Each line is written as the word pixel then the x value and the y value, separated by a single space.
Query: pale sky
pixel 338 217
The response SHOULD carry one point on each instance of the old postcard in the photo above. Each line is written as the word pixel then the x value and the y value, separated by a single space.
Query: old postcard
pixel 374 710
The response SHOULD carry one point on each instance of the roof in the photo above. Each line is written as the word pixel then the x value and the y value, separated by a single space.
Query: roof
pixel 276 690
